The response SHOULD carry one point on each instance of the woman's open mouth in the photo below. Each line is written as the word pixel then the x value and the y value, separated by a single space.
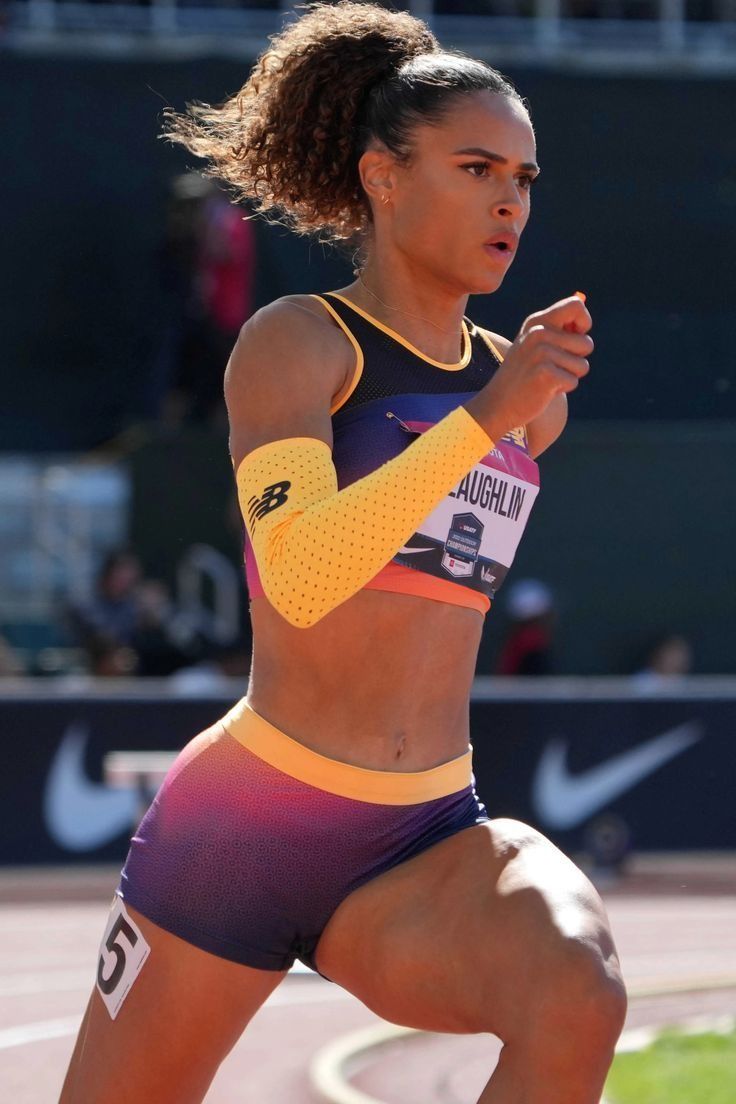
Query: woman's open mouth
pixel 500 250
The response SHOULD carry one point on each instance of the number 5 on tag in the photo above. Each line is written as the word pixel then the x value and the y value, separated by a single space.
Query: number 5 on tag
pixel 122 953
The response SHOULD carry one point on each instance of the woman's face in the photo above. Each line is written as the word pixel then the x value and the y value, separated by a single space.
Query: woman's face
pixel 448 204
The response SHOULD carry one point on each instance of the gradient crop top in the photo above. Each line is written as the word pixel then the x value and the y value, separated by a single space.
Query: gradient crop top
pixel 463 550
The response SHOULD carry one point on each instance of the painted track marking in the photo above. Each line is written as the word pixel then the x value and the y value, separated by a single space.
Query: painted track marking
pixel 327 1071
pixel 41 1030
pixel 329 1076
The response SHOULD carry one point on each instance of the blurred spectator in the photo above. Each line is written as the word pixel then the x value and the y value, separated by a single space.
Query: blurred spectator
pixel 130 625
pixel 162 641
pixel 667 658
pixel 206 265
pixel 112 611
pixel 527 646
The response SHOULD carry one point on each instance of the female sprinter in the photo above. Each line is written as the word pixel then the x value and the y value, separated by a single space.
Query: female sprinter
pixel 384 454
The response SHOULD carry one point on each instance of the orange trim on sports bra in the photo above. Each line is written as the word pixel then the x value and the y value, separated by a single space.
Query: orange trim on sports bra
pixel 487 338
pixel 399 579
pixel 346 391
pixel 467 345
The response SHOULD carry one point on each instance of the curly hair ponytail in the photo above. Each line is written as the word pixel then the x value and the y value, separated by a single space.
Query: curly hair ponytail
pixel 340 76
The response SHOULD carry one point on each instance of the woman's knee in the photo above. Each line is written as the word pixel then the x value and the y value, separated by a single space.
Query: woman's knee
pixel 576 983
pixel 568 989
pixel 585 985
pixel 562 960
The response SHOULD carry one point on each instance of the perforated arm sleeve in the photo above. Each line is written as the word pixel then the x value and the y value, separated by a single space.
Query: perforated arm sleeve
pixel 316 546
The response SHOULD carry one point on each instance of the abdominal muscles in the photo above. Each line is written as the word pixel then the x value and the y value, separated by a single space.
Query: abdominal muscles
pixel 382 682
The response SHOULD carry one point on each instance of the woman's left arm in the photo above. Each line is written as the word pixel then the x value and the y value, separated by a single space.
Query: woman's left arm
pixel 547 426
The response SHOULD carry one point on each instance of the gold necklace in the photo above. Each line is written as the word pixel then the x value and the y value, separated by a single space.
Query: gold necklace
pixel 419 318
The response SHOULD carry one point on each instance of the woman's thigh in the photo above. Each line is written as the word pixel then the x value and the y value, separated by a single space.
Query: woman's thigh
pixel 471 934
pixel 183 1013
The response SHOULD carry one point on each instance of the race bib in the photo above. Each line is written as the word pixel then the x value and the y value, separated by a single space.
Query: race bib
pixel 471 537
pixel 122 953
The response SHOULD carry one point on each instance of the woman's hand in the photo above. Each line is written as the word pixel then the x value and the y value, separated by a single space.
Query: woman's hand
pixel 548 357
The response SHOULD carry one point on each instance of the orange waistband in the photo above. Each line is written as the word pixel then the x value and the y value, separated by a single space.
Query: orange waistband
pixel 266 741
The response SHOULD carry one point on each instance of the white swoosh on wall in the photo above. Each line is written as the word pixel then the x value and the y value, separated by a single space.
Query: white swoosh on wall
pixel 81 815
pixel 564 800
pixel 406 551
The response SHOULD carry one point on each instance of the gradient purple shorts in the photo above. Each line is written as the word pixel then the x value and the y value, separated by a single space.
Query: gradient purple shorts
pixel 253 839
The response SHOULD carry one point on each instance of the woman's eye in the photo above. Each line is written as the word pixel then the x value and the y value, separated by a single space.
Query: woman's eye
pixel 481 165
pixel 482 168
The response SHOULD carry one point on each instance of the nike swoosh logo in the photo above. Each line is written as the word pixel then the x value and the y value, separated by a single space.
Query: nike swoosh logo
pixel 81 815
pixel 406 551
pixel 563 800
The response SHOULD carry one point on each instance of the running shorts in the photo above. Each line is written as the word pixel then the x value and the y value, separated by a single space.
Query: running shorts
pixel 253 839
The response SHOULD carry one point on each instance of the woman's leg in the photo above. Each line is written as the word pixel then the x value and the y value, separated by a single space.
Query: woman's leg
pixel 183 1013
pixel 493 929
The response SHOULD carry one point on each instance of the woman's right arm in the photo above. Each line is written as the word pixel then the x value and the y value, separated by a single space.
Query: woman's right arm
pixel 316 546
pixel 287 364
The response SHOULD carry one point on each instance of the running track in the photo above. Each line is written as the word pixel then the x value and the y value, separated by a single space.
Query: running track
pixel 674 919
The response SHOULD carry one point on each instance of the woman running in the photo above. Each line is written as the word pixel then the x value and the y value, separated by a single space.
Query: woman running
pixel 384 449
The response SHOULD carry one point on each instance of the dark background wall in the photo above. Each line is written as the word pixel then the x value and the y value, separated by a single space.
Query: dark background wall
pixel 59 809
pixel 634 536
pixel 637 206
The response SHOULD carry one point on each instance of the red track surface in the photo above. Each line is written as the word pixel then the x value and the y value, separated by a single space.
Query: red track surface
pixel 674 921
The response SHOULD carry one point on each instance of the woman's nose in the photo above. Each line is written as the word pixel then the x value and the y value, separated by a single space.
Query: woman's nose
pixel 510 205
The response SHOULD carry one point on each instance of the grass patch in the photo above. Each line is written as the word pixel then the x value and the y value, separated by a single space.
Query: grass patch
pixel 676 1069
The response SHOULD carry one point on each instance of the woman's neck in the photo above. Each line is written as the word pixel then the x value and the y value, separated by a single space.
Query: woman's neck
pixel 427 316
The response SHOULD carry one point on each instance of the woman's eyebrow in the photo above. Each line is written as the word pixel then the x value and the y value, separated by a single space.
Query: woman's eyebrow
pixel 530 166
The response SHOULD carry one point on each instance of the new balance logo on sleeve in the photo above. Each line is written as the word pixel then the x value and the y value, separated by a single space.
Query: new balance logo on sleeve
pixel 272 497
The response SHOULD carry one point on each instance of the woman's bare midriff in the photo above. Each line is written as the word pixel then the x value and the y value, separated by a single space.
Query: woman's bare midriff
pixel 382 682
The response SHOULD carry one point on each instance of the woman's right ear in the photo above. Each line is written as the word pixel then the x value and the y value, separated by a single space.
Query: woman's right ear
pixel 376 172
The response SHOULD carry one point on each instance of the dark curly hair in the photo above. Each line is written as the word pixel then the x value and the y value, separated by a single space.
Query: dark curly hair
pixel 332 82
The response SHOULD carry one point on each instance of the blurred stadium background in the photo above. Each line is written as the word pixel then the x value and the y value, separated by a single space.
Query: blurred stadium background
pixel 123 614
pixel 604 711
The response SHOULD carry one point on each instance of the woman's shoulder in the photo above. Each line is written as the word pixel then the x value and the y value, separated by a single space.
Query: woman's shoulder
pixel 306 310
pixel 288 347
pixel 301 302
pixel 294 322
pixel 299 321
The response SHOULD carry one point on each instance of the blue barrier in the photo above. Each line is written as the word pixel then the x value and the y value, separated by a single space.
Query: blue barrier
pixel 582 760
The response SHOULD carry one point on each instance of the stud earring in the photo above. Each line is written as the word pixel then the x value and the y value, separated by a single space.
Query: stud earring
pixel 385 199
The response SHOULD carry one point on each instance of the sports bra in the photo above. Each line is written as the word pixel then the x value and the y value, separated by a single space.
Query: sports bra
pixel 463 550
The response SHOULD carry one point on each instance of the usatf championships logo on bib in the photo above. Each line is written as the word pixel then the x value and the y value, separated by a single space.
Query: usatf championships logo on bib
pixel 462 545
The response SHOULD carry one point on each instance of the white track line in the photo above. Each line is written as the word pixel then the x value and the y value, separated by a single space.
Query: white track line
pixel 52 981
pixel 35 1032
pixel 40 1030
pixel 681 985
pixel 63 981
pixel 328 1070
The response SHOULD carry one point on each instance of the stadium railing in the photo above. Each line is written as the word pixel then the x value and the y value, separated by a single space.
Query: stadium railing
pixel 700 33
